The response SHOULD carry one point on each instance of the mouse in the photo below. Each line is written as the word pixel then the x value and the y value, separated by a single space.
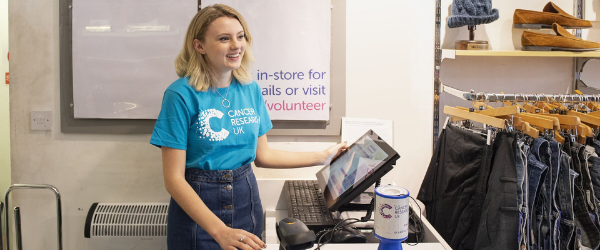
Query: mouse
pixel 348 235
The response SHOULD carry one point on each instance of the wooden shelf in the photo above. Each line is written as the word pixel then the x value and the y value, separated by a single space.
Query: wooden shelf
pixel 450 53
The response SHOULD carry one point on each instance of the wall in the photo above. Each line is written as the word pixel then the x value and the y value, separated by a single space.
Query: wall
pixel 389 75
pixel 4 107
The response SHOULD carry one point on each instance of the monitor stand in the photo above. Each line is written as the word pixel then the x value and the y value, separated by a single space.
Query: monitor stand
pixel 360 206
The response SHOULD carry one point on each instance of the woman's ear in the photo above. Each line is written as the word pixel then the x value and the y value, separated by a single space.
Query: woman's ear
pixel 198 46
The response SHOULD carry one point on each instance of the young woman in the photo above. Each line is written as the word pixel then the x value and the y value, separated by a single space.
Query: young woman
pixel 211 127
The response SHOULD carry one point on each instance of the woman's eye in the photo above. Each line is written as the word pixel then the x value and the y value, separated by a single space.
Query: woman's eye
pixel 224 38
pixel 241 37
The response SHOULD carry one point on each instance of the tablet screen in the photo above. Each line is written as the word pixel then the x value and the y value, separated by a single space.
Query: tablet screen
pixel 355 167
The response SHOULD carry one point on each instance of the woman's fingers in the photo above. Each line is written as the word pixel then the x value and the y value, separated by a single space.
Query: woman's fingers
pixel 254 242
pixel 249 241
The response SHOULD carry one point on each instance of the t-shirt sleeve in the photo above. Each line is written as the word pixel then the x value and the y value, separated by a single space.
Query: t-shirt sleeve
pixel 265 120
pixel 172 124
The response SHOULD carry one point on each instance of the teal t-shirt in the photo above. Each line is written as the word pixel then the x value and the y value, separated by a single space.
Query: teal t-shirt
pixel 215 137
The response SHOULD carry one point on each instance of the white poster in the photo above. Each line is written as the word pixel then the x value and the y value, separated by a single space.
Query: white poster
pixel 291 45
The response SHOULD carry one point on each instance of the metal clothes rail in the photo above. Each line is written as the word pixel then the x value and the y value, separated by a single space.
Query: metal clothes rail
pixel 520 97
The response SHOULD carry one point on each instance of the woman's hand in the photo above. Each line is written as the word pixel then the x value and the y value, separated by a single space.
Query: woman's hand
pixel 230 238
pixel 333 152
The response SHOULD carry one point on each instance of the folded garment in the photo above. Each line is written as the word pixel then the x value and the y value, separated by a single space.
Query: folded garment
pixel 528 19
pixel 533 41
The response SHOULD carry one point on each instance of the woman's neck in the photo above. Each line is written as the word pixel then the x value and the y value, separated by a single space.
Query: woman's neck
pixel 224 80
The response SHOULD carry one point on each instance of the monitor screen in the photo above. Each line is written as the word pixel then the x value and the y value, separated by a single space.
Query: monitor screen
pixel 359 167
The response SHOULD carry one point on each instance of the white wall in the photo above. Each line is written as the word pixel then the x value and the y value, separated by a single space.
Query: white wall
pixel 389 75
pixel 4 109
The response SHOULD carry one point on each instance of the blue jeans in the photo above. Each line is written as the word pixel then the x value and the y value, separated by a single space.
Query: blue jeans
pixel 522 187
pixel 586 232
pixel 553 212
pixel 232 195
pixel 536 172
pixel 565 190
pixel 594 167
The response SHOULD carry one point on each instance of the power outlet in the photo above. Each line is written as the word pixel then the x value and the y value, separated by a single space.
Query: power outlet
pixel 41 120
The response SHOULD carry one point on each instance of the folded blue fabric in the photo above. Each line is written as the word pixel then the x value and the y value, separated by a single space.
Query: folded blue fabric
pixel 472 12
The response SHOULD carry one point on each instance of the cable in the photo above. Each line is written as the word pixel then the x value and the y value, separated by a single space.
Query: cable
pixel 331 231
pixel 418 227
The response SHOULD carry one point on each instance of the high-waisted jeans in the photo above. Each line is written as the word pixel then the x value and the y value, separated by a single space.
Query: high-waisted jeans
pixel 537 172
pixel 232 195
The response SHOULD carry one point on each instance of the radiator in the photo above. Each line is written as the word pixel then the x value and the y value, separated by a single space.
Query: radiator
pixel 127 226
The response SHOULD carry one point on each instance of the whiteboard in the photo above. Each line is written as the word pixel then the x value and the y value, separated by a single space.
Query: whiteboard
pixel 292 48
pixel 124 53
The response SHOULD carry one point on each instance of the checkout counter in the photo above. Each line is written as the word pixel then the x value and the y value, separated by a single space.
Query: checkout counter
pixel 276 209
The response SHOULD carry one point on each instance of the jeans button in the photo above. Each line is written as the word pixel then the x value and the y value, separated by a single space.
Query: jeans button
pixel 228 224
pixel 228 207
pixel 227 176
pixel 229 187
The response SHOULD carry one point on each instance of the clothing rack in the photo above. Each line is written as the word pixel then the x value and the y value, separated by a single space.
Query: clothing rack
pixel 491 97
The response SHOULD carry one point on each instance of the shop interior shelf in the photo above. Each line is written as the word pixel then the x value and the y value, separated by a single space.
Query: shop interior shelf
pixel 450 53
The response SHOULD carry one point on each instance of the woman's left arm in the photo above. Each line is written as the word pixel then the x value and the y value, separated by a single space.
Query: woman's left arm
pixel 273 158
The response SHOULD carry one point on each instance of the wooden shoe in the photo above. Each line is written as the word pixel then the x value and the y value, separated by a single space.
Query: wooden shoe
pixel 527 19
pixel 533 41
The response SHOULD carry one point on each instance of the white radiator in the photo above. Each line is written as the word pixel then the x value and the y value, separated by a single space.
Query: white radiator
pixel 127 226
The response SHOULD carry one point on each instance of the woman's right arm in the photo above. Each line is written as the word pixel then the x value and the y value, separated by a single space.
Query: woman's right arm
pixel 188 200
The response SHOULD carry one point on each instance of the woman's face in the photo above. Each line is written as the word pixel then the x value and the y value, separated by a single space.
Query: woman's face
pixel 224 45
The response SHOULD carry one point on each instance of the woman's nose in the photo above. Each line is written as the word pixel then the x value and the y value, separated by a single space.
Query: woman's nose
pixel 235 44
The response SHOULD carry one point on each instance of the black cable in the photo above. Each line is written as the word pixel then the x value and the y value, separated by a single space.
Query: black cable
pixel 421 230
pixel 331 231
pixel 372 204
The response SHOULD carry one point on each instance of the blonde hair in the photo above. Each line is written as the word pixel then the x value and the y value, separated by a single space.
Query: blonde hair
pixel 194 65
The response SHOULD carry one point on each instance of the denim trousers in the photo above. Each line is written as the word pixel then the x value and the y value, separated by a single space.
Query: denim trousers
pixel 500 216
pixel 594 167
pixel 564 191
pixel 586 232
pixel 522 191
pixel 232 195
pixel 537 172
pixel 453 189
pixel 551 182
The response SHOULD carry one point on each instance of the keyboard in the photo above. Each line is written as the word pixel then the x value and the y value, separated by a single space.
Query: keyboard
pixel 306 203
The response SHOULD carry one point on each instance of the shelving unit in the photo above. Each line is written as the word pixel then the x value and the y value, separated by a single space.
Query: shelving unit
pixel 441 54
pixel 452 54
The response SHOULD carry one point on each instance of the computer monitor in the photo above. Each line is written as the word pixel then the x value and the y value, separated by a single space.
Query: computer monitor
pixel 356 169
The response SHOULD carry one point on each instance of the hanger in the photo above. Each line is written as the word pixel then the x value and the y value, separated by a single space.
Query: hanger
pixel 522 126
pixel 474 116
pixel 590 104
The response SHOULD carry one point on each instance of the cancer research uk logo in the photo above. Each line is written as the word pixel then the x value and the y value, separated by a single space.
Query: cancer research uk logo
pixel 204 126
pixel 239 118
pixel 384 215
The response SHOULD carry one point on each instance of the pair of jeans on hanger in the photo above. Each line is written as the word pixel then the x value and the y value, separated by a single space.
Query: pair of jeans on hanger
pixel 564 199
pixel 453 189
pixel 537 168
pixel 522 191
pixel 500 214
pixel 586 232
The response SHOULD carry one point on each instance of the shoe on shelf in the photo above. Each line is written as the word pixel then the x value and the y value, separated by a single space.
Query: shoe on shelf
pixel 528 19
pixel 565 41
